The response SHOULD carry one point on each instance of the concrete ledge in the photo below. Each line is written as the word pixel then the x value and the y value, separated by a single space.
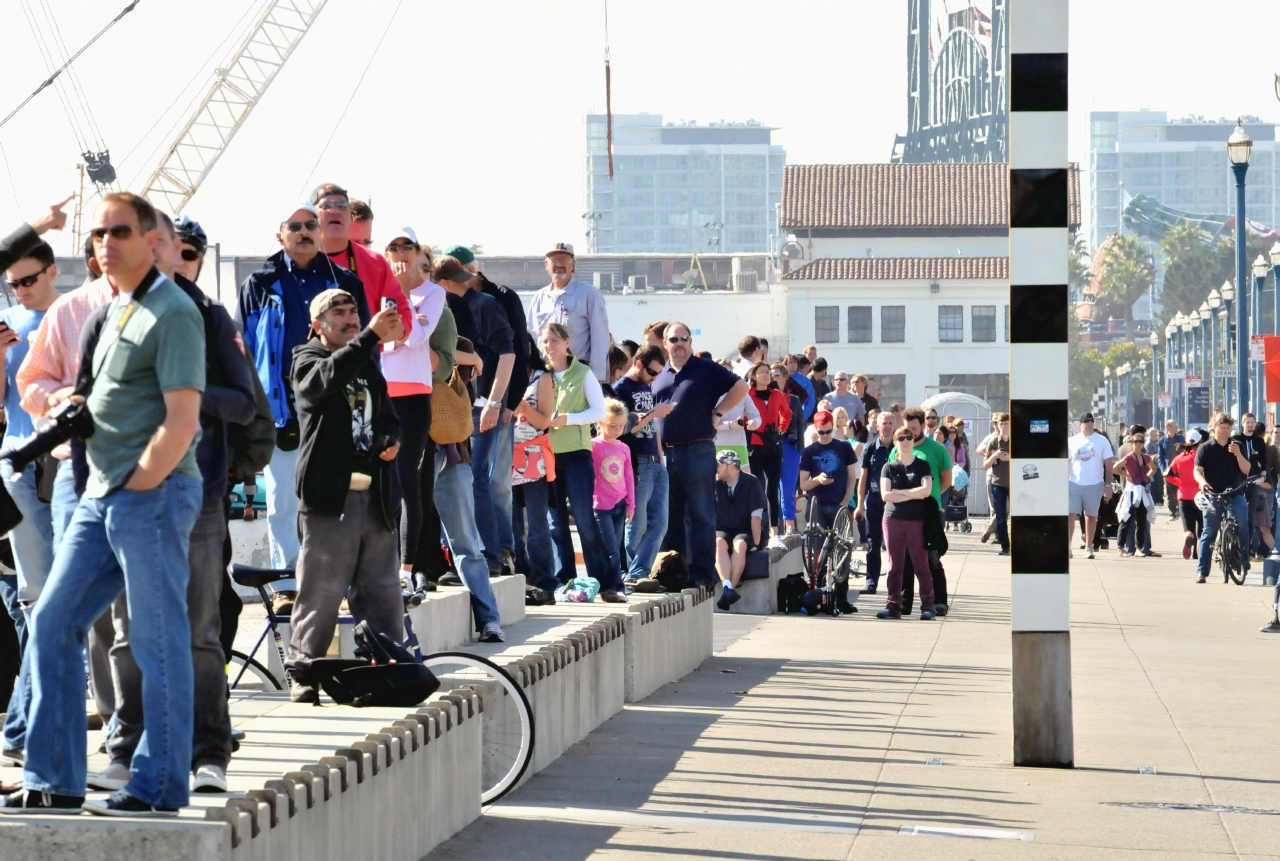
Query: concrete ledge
pixel 760 597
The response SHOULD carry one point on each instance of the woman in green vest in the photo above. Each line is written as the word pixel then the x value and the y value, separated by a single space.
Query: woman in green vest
pixel 577 403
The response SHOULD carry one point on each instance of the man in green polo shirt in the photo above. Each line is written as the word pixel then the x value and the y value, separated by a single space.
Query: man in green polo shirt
pixel 939 460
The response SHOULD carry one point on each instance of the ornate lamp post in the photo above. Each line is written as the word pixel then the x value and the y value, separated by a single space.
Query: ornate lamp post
pixel 1223 323
pixel 1154 340
pixel 1169 332
pixel 1260 269
pixel 1275 280
pixel 1186 326
pixel 1215 302
pixel 1106 379
pixel 1239 148
pixel 1228 345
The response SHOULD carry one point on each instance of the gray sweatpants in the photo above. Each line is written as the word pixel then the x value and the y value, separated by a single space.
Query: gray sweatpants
pixel 357 552
pixel 211 742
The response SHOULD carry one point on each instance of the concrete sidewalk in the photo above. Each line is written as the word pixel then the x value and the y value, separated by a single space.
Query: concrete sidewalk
pixel 859 738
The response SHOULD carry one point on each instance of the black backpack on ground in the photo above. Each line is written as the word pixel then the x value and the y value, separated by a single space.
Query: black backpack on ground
pixel 790 590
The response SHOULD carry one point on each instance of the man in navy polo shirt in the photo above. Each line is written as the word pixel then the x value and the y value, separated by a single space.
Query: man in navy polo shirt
pixel 694 388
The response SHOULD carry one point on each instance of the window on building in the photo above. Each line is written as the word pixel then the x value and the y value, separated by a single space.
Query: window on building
pixel 984 324
pixel 859 324
pixel 893 324
pixel 826 324
pixel 950 323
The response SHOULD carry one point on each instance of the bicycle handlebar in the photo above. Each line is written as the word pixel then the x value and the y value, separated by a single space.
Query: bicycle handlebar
pixel 1226 494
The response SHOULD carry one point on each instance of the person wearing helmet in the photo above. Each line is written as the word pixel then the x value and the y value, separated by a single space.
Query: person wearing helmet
pixel 194 243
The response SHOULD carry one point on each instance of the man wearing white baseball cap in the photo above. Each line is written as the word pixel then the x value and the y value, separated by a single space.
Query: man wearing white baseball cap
pixel 576 305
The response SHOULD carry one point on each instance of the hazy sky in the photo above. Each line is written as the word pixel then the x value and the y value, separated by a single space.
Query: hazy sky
pixel 469 122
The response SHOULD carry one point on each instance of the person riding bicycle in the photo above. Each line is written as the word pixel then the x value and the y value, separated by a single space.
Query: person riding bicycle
pixel 829 473
pixel 1220 466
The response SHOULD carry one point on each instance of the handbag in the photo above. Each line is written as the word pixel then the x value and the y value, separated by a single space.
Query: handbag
pixel 451 420
pixel 770 442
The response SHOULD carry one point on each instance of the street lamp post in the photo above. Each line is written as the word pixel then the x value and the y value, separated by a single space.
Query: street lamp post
pixel 1260 268
pixel 1275 282
pixel 1169 357
pixel 1239 148
pixel 1154 339
pixel 1188 363
pixel 1215 302
pixel 1106 379
pixel 1127 370
pixel 1228 347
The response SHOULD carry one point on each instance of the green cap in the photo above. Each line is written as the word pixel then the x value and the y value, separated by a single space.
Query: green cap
pixel 461 253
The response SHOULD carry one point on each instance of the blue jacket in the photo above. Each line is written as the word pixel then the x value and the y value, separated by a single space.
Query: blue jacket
pixel 810 404
pixel 1165 451
pixel 260 313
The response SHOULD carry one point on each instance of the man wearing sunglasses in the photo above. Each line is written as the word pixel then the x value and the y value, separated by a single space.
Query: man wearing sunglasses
pixel 274 313
pixel 335 215
pixel 192 244
pixel 649 524
pixel 130 532
pixel 700 393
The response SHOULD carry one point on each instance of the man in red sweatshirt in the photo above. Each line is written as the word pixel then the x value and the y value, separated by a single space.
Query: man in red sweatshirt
pixel 372 269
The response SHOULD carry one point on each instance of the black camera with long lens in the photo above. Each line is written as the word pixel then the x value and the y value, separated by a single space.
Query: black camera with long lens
pixel 67 421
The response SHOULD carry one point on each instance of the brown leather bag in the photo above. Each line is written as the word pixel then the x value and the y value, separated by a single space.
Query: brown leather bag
pixel 451 411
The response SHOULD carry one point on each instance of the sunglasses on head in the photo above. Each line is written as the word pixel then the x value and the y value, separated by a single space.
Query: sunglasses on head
pixel 117 231
pixel 190 255
pixel 332 204
pixel 299 226
pixel 26 281
pixel 679 339
pixel 402 246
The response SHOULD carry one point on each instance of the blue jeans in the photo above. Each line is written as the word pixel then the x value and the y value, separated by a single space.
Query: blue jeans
pixel 540 555
pixel 278 483
pixel 491 473
pixel 787 483
pixel 1212 519
pixel 875 537
pixel 576 484
pixel 64 502
pixel 1000 501
pixel 455 501
pixel 136 541
pixel 691 529
pixel 613 524
pixel 649 524
pixel 32 545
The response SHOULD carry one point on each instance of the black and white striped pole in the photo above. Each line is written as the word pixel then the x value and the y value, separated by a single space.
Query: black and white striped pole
pixel 1038 301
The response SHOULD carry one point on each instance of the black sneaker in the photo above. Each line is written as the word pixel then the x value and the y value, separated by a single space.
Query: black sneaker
pixel 123 804
pixel 42 803
pixel 535 597
pixel 845 607
pixel 449 579
pixel 12 755
pixel 727 599
pixel 870 590
pixel 304 694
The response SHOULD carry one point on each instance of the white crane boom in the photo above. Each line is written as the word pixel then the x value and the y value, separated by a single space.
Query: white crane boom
pixel 233 94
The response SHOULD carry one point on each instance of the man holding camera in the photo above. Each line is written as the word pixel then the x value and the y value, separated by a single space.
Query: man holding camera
pixel 130 531
pixel 348 488
pixel 273 312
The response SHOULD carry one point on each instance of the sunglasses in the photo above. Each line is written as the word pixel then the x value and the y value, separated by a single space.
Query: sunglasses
pixel 402 246
pixel 679 339
pixel 1086 421
pixel 931 418
pixel 299 226
pixel 332 204
pixel 826 432
pixel 651 372
pixel 26 281
pixel 117 231
pixel 190 255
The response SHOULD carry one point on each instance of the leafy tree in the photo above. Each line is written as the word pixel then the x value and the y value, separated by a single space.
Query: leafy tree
pixel 1085 370
pixel 1078 262
pixel 1127 272
pixel 1196 263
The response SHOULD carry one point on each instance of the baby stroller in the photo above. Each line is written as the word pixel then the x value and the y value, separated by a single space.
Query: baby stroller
pixel 956 509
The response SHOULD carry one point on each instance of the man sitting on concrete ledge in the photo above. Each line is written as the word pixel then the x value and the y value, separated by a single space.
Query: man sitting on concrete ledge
pixel 740 505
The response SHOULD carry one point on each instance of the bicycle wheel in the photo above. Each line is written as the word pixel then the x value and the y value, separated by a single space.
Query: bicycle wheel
pixel 1229 555
pixel 812 550
pixel 843 537
pixel 245 674
pixel 507 729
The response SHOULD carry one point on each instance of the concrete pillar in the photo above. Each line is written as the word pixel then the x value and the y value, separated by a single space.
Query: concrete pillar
pixel 1039 318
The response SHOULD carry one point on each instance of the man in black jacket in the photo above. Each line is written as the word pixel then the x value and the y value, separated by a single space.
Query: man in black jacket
pixel 348 492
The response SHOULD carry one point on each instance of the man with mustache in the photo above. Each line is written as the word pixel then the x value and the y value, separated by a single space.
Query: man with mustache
pixel 337 212
pixel 347 486
pixel 577 306
pixel 273 311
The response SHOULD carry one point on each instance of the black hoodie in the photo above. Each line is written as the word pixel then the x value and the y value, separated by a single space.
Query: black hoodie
pixel 327 454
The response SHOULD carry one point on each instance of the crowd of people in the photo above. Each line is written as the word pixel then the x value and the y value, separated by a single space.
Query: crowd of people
pixel 415 425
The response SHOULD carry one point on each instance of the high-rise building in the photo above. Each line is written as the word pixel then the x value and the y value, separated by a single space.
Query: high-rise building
pixel 682 187
pixel 1181 163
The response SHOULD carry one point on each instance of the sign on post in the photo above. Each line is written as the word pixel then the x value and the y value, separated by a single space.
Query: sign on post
pixel 1166 400
pixel 1257 348
pixel 1177 373
pixel 1197 404
pixel 1228 373
pixel 1193 382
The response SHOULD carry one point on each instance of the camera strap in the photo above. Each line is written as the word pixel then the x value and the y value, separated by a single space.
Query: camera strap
pixel 94 341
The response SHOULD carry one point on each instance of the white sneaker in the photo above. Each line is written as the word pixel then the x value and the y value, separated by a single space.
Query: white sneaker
pixel 115 776
pixel 1088 554
pixel 209 778
pixel 493 634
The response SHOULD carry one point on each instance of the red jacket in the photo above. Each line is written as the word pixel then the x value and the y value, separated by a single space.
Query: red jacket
pixel 775 411
pixel 374 273
pixel 1182 475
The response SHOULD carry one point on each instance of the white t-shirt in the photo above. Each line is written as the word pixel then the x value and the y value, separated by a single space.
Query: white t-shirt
pixel 1086 455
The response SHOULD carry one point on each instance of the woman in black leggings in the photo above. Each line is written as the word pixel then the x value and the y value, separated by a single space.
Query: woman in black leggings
pixel 765 444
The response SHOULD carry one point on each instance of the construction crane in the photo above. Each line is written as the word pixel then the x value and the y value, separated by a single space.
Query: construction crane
pixel 226 105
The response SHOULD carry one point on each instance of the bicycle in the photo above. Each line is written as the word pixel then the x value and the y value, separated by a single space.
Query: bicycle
pixel 508 728
pixel 1228 550
pixel 828 553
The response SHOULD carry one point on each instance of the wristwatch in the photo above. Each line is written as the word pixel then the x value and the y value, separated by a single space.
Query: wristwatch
pixel 717 414
pixel 492 403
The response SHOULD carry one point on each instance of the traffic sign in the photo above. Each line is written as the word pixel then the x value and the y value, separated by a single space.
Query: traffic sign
pixel 1177 373
pixel 1224 373
pixel 1192 382
pixel 1257 348
pixel 1165 400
